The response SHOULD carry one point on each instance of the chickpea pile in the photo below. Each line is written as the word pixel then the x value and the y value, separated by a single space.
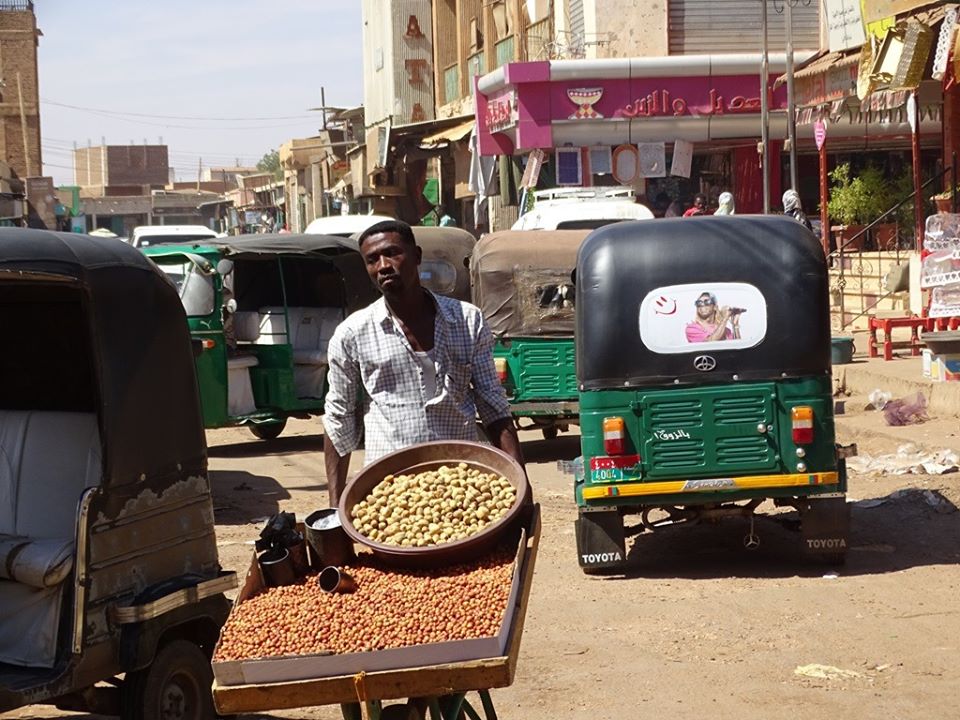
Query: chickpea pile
pixel 432 508
pixel 390 609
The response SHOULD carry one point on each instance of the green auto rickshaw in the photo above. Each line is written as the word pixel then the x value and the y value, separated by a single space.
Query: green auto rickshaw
pixel 261 310
pixel 703 357
pixel 522 284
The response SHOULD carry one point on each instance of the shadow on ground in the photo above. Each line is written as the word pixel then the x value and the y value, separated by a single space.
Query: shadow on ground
pixel 240 497
pixel 289 445
pixel 909 528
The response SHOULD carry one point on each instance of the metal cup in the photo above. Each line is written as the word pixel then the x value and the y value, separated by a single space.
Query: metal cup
pixel 329 543
pixel 334 580
pixel 276 566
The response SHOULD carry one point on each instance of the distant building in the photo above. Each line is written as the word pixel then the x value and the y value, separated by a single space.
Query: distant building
pixel 19 94
pixel 101 169
pixel 227 175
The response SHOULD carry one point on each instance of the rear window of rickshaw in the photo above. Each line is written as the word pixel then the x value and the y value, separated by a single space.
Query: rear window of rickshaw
pixel 546 299
pixel 438 276
pixel 703 317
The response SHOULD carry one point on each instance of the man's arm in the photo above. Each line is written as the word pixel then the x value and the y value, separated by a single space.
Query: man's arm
pixel 720 332
pixel 336 466
pixel 503 435
pixel 340 429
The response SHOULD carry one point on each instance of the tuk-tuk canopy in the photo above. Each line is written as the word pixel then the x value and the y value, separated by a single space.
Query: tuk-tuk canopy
pixel 522 281
pixel 341 253
pixel 93 326
pixel 446 256
pixel 646 292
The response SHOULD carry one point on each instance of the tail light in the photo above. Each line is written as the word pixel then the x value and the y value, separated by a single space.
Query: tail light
pixel 802 418
pixel 614 436
pixel 209 344
pixel 501 365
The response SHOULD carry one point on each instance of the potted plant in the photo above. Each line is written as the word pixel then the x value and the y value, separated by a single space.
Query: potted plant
pixel 855 202
pixel 944 201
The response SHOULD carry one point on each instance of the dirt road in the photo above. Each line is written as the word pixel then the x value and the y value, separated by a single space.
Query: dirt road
pixel 700 627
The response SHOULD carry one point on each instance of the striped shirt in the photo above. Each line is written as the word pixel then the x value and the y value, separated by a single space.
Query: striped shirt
pixel 374 371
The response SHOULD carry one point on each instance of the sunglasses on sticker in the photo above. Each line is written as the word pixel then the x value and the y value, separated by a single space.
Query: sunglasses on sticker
pixel 701 303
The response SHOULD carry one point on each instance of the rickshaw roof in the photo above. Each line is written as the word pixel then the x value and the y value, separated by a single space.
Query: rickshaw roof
pixel 621 266
pixel 281 244
pixel 430 236
pixel 139 348
pixel 507 269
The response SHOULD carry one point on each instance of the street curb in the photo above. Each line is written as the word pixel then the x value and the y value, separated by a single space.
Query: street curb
pixel 943 398
pixel 848 431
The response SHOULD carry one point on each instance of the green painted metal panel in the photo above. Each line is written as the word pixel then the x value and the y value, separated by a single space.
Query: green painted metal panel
pixel 539 368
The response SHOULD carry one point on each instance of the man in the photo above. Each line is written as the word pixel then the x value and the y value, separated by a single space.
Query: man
pixel 420 364
pixel 699 206
pixel 710 322
pixel 793 208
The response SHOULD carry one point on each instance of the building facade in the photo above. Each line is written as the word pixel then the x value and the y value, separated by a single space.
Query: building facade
pixel 19 88
pixel 100 169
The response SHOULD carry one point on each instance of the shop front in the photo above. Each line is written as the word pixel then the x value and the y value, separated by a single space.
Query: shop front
pixel 670 127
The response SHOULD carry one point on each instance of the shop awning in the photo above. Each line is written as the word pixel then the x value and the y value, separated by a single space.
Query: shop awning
pixel 823 64
pixel 453 134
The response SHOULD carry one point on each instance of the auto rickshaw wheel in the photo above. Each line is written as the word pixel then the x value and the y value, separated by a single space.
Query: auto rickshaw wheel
pixel 175 686
pixel 268 431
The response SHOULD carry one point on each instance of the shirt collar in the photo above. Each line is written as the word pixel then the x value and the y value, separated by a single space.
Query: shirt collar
pixel 382 312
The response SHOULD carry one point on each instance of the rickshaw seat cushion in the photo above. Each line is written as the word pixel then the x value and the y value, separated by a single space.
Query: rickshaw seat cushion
pixel 29 624
pixel 38 563
pixel 310 328
pixel 236 362
pixel 310 357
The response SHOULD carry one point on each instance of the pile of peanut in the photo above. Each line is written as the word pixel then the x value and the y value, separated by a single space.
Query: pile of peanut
pixel 432 508
pixel 389 609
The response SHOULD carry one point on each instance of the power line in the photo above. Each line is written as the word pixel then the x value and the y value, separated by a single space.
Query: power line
pixel 174 117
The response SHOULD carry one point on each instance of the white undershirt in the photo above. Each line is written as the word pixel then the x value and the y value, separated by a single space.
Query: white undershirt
pixel 428 373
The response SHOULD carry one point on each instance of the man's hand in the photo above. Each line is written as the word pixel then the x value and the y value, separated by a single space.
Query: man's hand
pixel 336 467
pixel 503 435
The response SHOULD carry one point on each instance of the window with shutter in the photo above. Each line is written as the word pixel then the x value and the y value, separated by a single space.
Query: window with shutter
pixel 730 26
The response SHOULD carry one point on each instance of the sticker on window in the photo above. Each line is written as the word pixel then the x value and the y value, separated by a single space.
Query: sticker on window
pixel 703 317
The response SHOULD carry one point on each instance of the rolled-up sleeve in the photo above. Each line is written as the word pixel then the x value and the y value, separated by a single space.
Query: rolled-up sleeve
pixel 489 395
pixel 340 406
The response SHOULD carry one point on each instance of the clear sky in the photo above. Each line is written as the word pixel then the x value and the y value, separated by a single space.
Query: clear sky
pixel 217 80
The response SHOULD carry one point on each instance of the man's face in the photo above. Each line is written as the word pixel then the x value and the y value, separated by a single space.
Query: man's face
pixel 392 263
pixel 705 307
pixel 699 203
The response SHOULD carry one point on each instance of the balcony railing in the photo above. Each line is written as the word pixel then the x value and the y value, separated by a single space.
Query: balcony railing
pixel 16 5
pixel 505 50
pixel 539 35
pixel 451 83
pixel 476 64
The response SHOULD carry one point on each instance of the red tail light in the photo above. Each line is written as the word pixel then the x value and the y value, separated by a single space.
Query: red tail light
pixel 802 418
pixel 501 365
pixel 614 436
pixel 209 344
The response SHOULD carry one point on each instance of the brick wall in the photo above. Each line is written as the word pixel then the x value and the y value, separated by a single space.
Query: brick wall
pixel 137 165
pixel 18 56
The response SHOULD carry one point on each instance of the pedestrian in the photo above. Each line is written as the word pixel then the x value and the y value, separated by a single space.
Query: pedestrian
pixel 673 210
pixel 699 206
pixel 61 215
pixel 725 204
pixel 410 368
pixel 792 208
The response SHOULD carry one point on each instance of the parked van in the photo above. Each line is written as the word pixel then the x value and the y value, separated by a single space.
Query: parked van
pixel 343 225
pixel 147 235
pixel 581 209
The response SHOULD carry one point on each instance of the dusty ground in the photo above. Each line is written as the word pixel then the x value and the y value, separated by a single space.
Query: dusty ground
pixel 699 627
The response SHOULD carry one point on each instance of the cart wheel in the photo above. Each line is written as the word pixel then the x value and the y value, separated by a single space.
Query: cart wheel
pixel 268 431
pixel 550 433
pixel 175 686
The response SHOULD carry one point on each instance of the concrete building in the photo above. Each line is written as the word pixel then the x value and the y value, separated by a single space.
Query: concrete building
pixel 227 175
pixel 19 92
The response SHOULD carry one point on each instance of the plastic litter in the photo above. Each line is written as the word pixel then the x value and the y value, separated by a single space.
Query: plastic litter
pixel 906 411
pixel 908 460
pixel 879 398
pixel 826 672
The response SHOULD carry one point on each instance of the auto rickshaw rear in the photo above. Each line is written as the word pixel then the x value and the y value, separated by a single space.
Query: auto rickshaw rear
pixel 111 591
pixel 703 356
pixel 522 285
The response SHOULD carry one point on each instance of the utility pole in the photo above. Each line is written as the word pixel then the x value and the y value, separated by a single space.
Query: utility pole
pixel 23 128
pixel 323 107
pixel 765 111
pixel 791 107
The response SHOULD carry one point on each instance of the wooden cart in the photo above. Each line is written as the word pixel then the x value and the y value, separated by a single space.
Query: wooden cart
pixel 440 690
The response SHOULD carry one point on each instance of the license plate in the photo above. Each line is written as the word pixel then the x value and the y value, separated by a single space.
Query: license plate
pixel 615 469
